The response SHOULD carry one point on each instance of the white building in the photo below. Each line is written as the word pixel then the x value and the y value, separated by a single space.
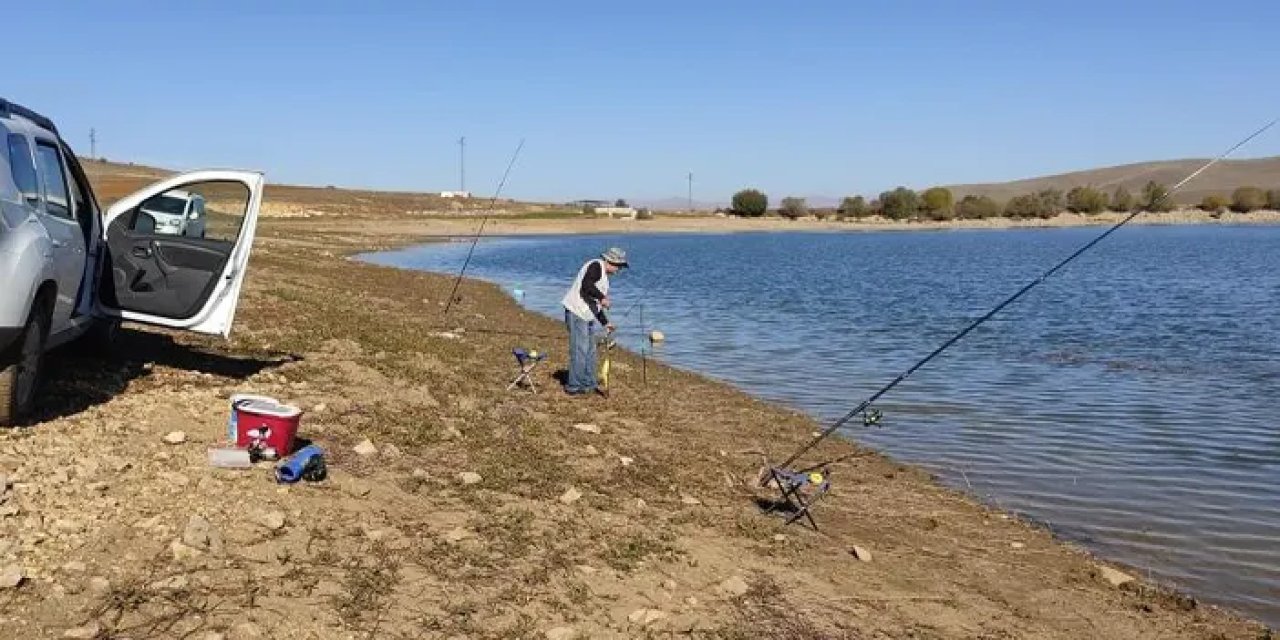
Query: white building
pixel 455 194
pixel 628 213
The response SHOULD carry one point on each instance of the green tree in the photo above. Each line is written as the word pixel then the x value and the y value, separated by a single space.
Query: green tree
pixel 1273 199
pixel 793 208
pixel 1155 197
pixel 1122 201
pixel 938 203
pixel 977 208
pixel 620 203
pixel 1023 206
pixel 900 204
pixel 750 202
pixel 1246 199
pixel 854 207
pixel 1046 203
pixel 1214 204
pixel 1086 200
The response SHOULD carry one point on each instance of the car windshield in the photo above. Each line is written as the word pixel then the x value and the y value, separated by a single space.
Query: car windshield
pixel 166 204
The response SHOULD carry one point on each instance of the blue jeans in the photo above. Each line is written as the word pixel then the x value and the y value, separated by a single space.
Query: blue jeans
pixel 582 355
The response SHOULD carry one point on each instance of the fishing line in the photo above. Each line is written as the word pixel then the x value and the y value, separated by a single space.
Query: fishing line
pixel 864 408
pixel 492 201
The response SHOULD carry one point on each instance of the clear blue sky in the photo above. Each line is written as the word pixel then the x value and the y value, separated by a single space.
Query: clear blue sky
pixel 622 99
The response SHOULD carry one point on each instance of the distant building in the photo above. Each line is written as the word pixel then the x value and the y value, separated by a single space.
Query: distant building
pixel 455 194
pixel 628 213
pixel 593 204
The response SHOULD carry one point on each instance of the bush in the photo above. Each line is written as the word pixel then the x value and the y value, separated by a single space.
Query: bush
pixel 900 204
pixel 1023 206
pixel 1042 204
pixel 937 202
pixel 1155 197
pixel 1086 200
pixel 750 202
pixel 1122 201
pixel 823 213
pixel 644 214
pixel 1246 199
pixel 1214 204
pixel 1273 199
pixel 793 208
pixel 855 207
pixel 620 203
pixel 977 208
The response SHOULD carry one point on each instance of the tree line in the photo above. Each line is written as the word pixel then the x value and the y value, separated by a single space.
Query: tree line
pixel 938 203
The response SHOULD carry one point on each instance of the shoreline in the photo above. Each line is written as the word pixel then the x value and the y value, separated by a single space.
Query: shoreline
pixel 616 518
pixel 506 226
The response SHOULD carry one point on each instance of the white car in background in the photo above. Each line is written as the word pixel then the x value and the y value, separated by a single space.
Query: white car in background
pixel 176 213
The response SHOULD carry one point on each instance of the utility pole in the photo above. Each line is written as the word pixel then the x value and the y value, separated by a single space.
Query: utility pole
pixel 690 192
pixel 462 164
pixel 93 144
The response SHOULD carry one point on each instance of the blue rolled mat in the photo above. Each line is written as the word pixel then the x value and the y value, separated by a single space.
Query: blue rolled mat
pixel 291 470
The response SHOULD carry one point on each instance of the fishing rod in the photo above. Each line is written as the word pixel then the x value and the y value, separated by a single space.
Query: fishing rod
pixel 871 416
pixel 492 201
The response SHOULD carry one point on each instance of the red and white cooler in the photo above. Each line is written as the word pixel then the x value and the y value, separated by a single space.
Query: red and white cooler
pixel 265 422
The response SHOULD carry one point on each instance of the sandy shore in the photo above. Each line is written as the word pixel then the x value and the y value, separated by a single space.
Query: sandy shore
pixel 474 512
pixel 504 225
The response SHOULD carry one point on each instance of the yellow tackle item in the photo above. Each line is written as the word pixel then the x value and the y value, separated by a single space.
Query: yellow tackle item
pixel 815 478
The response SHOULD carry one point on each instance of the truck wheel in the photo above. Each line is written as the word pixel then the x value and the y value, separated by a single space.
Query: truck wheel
pixel 20 367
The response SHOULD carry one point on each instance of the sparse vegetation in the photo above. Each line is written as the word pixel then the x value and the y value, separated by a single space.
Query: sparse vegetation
pixel 977 208
pixel 1247 199
pixel 750 203
pixel 900 204
pixel 1155 197
pixel 1086 200
pixel 1043 204
pixel 793 208
pixel 1214 204
pixel 937 203
pixel 854 207
pixel 1122 201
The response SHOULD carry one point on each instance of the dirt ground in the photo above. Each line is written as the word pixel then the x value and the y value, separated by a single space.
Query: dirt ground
pixel 482 513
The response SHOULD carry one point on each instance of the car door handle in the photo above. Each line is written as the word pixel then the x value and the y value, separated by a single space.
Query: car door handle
pixel 58 244
pixel 141 252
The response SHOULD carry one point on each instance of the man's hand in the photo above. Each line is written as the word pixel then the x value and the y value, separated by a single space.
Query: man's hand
pixel 610 328
pixel 606 302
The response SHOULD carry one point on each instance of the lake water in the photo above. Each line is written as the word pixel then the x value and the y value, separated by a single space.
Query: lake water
pixel 1130 402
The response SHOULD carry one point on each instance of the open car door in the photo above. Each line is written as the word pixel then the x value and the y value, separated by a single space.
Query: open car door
pixel 153 273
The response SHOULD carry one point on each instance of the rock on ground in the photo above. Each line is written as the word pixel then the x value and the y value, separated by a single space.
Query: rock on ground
pixel 646 617
pixel 735 586
pixel 175 437
pixel 469 477
pixel 12 576
pixel 366 448
pixel 1114 577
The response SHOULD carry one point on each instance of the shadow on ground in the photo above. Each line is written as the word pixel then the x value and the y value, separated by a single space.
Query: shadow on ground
pixel 75 381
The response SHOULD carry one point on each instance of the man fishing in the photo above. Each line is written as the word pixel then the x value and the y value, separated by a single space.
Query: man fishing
pixel 584 305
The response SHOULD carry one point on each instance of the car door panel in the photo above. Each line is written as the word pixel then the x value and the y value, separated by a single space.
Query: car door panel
pixel 167 276
pixel 174 280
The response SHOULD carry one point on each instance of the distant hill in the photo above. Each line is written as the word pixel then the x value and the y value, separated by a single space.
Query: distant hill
pixel 1221 179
